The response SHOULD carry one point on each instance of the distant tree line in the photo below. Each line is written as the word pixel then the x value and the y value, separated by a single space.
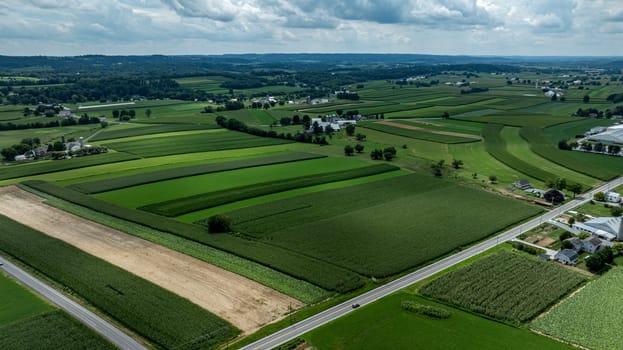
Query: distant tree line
pixel 237 125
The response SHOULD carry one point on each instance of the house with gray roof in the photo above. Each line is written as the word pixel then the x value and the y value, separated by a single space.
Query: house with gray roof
pixel 576 243
pixel 591 244
pixel 567 256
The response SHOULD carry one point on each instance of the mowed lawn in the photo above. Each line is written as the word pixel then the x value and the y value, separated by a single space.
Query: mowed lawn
pixel 592 317
pixel 142 195
pixel 385 227
pixel 385 325
pixel 17 302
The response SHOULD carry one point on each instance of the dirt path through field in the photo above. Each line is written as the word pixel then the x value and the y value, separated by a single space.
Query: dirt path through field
pixel 245 303
pixel 440 132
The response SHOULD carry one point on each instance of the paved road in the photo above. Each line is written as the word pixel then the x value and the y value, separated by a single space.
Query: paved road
pixel 107 330
pixel 302 327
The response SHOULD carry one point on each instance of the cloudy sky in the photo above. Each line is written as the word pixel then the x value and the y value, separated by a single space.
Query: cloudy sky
pixel 473 27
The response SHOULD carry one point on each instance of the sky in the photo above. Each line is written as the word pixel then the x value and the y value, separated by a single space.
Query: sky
pixel 181 27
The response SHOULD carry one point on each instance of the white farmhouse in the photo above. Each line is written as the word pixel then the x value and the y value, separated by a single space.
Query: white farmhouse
pixel 613 197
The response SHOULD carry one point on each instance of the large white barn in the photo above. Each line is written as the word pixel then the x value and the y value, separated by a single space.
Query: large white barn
pixel 613 134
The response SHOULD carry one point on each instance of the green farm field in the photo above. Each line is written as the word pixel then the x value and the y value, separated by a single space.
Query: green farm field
pixel 158 315
pixel 419 134
pixel 385 322
pixel 112 132
pixel 142 195
pixel 397 230
pixel 17 302
pixel 511 287
pixel 450 125
pixel 202 141
pixel 51 330
pixel 596 305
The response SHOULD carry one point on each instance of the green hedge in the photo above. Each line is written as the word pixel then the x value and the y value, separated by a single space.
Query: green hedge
pixel 180 206
pixel 320 273
pixel 169 174
pixel 160 316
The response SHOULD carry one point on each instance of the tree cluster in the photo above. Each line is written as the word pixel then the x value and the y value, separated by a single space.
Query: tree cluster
pixel 236 125
pixel 599 260
pixel 388 153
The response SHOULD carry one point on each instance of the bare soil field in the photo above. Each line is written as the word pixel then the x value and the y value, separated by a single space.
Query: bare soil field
pixel 439 132
pixel 245 303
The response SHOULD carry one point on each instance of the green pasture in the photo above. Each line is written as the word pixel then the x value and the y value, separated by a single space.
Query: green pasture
pixel 512 287
pixel 382 228
pixel 512 119
pixel 418 134
pixel 166 190
pixel 520 148
pixel 202 141
pixel 250 116
pixel 112 132
pixel 51 330
pixel 450 125
pixel 600 166
pixel 17 302
pixel 596 305
pixel 202 214
pixel 384 323
pixel 139 166
pixel 183 205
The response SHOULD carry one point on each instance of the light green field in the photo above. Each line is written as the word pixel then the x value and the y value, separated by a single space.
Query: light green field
pixel 142 195
pixel 596 305
pixel 17 302
pixel 520 148
pixel 385 324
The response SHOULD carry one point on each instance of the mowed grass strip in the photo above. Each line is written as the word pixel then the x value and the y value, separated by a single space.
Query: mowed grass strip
pixel 511 287
pixel 51 330
pixel 160 316
pixel 323 274
pixel 417 134
pixel 601 166
pixel 199 142
pixel 381 228
pixel 51 166
pixel 112 133
pixel 180 206
pixel 168 174
pixel 384 322
pixel 597 305
pixel 17 302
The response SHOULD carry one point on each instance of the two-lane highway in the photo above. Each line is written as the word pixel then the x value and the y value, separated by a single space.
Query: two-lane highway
pixel 104 328
pixel 344 308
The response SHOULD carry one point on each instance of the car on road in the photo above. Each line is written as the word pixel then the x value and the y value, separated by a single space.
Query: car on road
pixel 355 305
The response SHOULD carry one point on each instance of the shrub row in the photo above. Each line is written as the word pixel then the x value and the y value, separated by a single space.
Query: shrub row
pixel 168 174
pixel 320 273
pixel 160 316
pixel 426 310
pixel 180 206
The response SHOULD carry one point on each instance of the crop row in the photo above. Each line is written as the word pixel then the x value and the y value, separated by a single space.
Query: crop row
pixel 51 330
pixel 597 305
pixel 162 317
pixel 507 286
pixel 532 120
pixel 381 228
pixel 168 174
pixel 44 167
pixel 180 206
pixel 596 165
pixel 109 134
pixel 200 142
pixel 417 134
pixel 322 274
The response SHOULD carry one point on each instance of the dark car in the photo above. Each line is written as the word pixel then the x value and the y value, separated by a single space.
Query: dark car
pixel 354 306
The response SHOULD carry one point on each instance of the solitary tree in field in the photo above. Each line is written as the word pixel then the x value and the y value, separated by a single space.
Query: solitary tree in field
pixel 349 150
pixel 586 99
pixel 575 188
pixel 360 137
pixel 493 179
pixel 148 113
pixel 599 196
pixel 115 113
pixel 456 164
pixel 219 224
pixel 359 148
pixel 350 129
